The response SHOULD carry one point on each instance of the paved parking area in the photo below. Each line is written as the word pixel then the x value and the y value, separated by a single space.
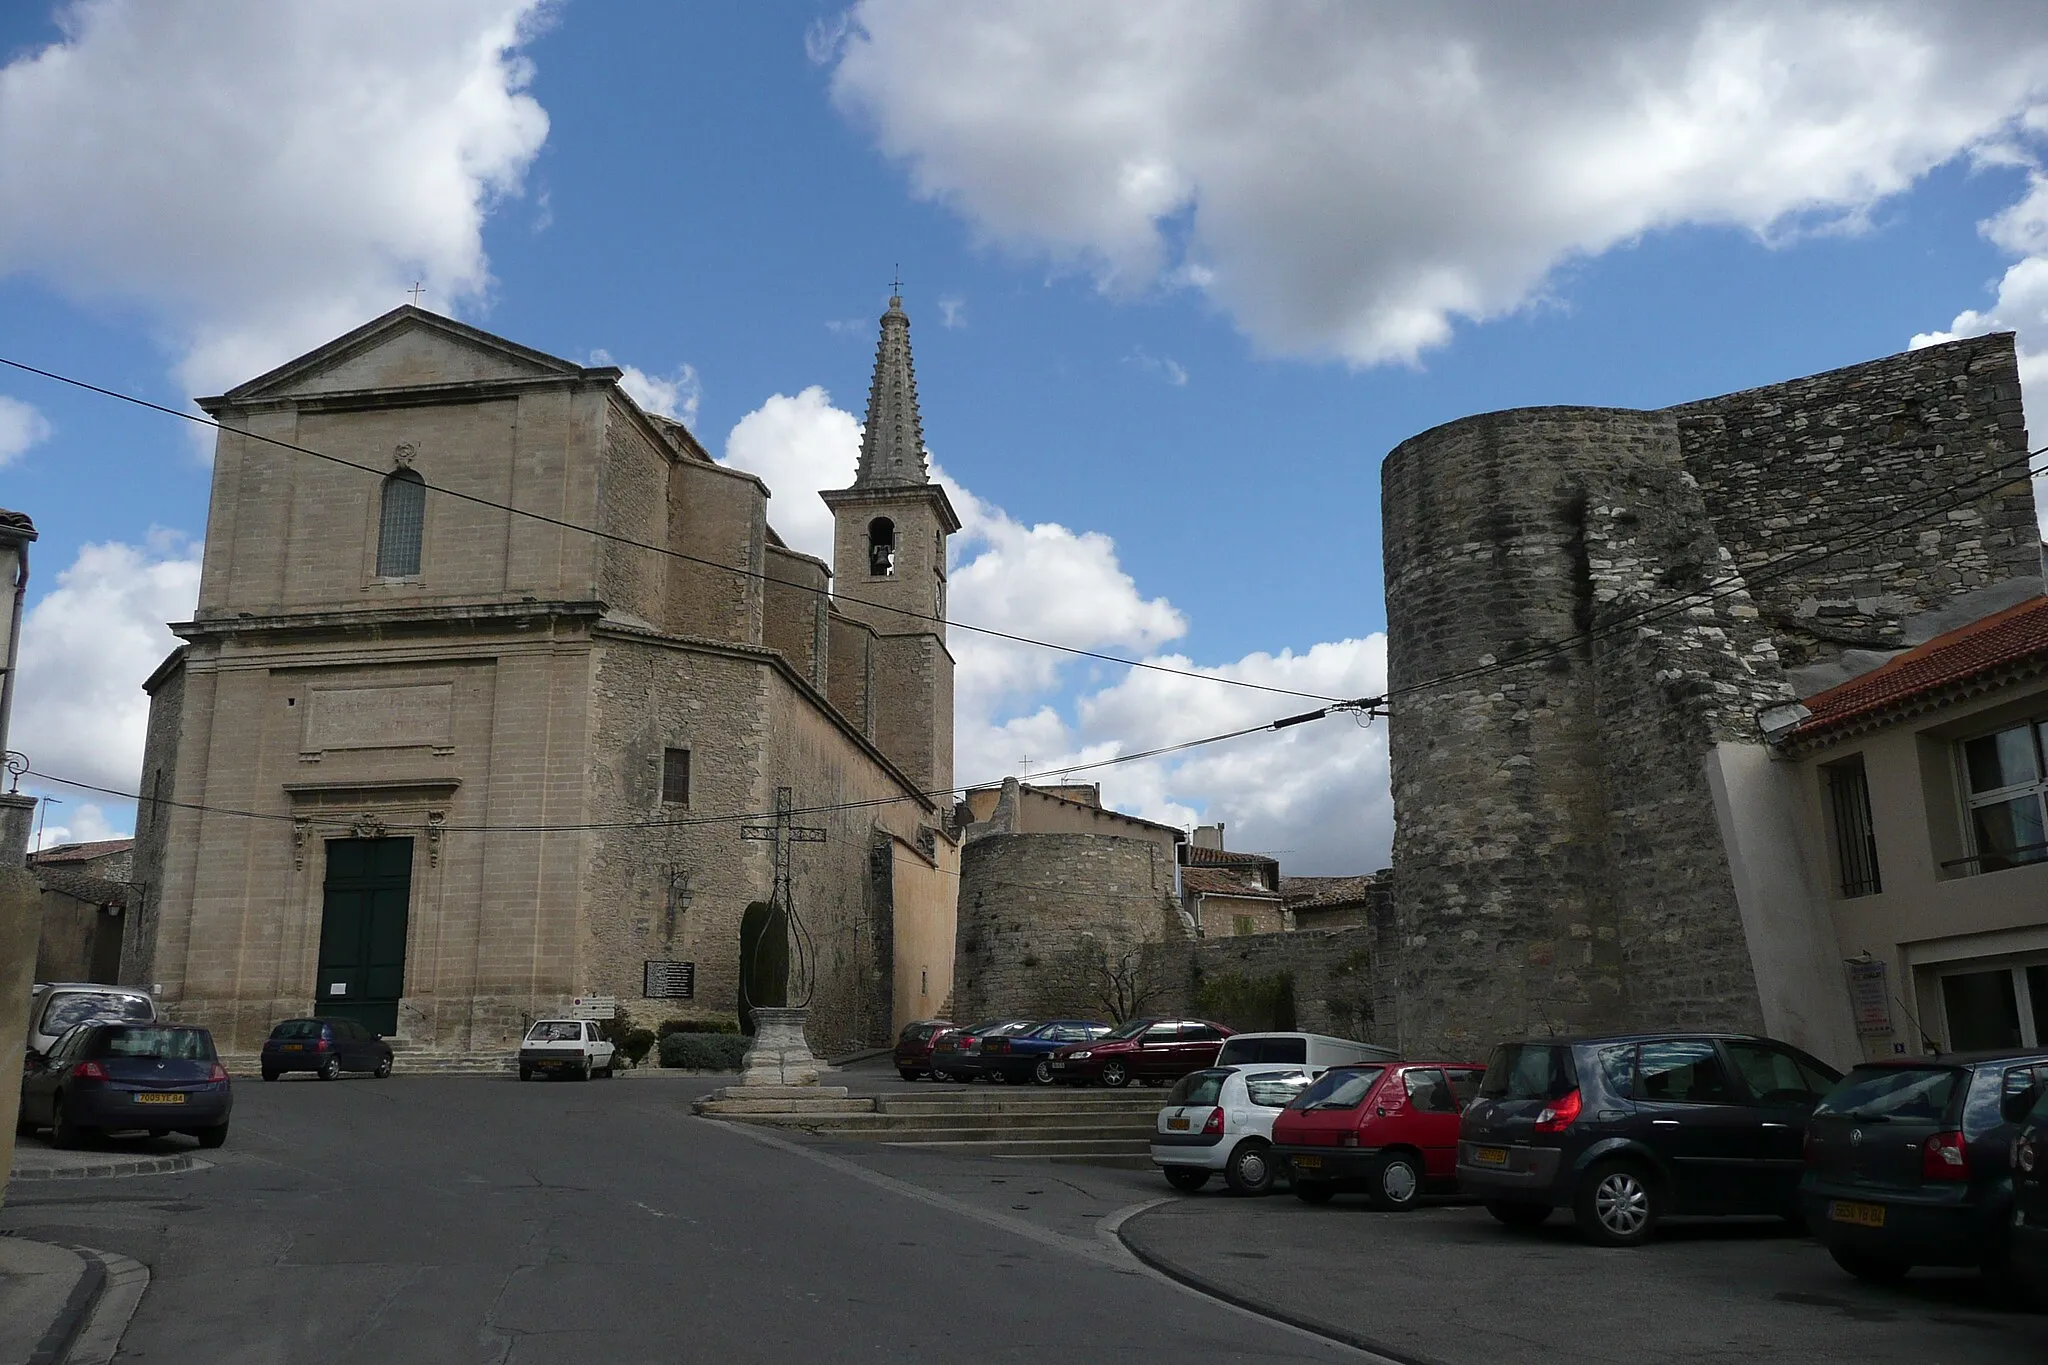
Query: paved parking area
pixel 1448 1284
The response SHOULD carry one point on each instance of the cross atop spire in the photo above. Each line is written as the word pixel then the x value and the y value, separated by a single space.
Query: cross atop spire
pixel 892 437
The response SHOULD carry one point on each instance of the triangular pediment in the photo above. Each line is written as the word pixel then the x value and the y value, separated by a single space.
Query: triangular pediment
pixel 406 348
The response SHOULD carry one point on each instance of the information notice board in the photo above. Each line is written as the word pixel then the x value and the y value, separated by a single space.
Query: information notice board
pixel 1870 999
pixel 668 979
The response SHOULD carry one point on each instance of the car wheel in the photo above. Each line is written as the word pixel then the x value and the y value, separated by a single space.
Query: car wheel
pixel 584 1072
pixel 525 1073
pixel 330 1070
pixel 212 1137
pixel 1874 1269
pixel 997 1076
pixel 269 1075
pixel 1396 1183
pixel 1115 1075
pixel 1616 1205
pixel 383 1067
pixel 1314 1191
pixel 1250 1169
pixel 1516 1214
pixel 939 1076
pixel 1186 1179
pixel 1041 1074
pixel 906 1073
pixel 63 1132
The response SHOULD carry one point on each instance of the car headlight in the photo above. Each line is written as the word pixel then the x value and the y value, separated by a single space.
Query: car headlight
pixel 1080 1056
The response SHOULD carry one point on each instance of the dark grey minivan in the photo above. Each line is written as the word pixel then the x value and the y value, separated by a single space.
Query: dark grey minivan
pixel 1625 1130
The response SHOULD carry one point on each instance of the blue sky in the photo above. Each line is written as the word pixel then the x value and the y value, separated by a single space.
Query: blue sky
pixel 1203 268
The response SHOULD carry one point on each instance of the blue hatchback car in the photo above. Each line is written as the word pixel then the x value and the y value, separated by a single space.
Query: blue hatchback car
pixel 325 1047
pixel 163 1078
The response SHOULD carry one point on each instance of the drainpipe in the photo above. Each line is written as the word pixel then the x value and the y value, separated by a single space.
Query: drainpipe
pixel 16 531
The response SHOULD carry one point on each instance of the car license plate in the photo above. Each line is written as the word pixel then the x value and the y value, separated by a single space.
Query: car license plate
pixel 1059 1066
pixel 1862 1215
pixel 1490 1156
pixel 1307 1163
pixel 1177 1125
pixel 159 1097
pixel 294 1047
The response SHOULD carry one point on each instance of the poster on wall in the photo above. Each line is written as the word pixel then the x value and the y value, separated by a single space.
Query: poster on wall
pixel 1870 999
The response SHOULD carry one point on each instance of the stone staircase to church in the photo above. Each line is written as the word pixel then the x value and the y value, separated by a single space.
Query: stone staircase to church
pixel 1093 1127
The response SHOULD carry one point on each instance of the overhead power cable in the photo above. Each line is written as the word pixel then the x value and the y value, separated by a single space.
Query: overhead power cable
pixel 668 551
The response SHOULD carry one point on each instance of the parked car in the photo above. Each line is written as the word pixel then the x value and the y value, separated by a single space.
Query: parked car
pixel 1221 1119
pixel 565 1047
pixel 1027 1056
pixel 2029 1157
pixel 1149 1050
pixel 325 1047
pixel 1624 1130
pixel 956 1053
pixel 1909 1161
pixel 57 1007
pixel 1388 1130
pixel 1317 1051
pixel 913 1056
pixel 102 1077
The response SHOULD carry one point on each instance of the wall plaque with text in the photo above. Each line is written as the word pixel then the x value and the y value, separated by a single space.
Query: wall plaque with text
pixel 668 979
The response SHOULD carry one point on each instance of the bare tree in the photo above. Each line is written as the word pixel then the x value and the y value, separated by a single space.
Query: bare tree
pixel 1124 980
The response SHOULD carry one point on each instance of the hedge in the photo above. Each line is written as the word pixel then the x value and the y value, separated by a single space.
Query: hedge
pixel 704 1051
pixel 669 1026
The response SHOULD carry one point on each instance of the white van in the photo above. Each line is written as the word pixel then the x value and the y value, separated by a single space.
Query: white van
pixel 55 1007
pixel 1316 1051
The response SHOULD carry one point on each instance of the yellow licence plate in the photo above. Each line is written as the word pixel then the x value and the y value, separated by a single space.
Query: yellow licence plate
pixel 1308 1163
pixel 1177 1125
pixel 159 1097
pixel 1862 1215
pixel 294 1047
pixel 1490 1156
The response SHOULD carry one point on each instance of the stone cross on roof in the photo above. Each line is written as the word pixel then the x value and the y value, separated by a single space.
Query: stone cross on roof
pixel 892 438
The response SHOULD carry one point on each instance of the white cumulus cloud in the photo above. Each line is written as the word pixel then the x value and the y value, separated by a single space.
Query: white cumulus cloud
pixel 263 177
pixel 1354 179
pixel 21 426
pixel 673 395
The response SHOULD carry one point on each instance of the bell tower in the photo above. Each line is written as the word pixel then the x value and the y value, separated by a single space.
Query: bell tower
pixel 889 567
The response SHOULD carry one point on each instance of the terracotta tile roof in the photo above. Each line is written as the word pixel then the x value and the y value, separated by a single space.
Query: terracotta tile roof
pixel 83 886
pixel 2013 641
pixel 1215 881
pixel 80 853
pixel 1216 857
pixel 1316 893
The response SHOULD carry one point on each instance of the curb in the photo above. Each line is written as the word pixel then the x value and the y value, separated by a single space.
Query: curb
pixel 98 1338
pixel 107 1170
pixel 1237 1298
pixel 64 1328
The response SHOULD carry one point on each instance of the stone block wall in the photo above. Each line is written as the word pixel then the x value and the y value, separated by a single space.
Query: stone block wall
pixel 1332 972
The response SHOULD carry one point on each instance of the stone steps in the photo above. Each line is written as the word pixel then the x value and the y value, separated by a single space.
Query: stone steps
pixel 1079 1149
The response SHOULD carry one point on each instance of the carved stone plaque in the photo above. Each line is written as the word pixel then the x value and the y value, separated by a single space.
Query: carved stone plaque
pixel 379 717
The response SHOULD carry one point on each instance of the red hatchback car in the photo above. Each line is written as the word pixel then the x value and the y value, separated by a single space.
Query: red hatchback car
pixel 914 1048
pixel 1150 1050
pixel 1388 1130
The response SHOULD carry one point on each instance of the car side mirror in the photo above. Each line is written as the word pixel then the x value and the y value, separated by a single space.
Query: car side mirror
pixel 2017 1104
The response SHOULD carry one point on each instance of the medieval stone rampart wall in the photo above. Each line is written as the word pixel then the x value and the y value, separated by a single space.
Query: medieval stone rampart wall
pixel 1331 972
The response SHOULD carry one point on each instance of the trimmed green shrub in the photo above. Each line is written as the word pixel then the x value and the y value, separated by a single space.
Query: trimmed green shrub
pixel 704 1051
pixel 637 1043
pixel 669 1026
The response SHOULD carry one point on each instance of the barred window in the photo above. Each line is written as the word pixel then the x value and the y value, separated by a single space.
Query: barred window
pixel 398 530
pixel 675 777
pixel 1855 835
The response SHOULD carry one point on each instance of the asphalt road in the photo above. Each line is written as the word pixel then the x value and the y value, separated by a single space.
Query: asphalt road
pixel 457 1220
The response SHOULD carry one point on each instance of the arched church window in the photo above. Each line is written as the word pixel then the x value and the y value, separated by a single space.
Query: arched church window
pixel 399 528
pixel 882 548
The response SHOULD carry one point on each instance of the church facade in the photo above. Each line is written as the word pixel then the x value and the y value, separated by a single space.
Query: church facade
pixel 493 685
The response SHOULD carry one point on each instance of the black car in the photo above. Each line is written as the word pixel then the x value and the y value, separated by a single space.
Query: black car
pixel 1909 1162
pixel 1027 1056
pixel 1625 1130
pixel 325 1047
pixel 106 1077
pixel 2028 1253
pixel 956 1053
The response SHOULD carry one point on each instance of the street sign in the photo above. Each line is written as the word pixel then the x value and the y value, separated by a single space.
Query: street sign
pixel 594 1007
pixel 667 979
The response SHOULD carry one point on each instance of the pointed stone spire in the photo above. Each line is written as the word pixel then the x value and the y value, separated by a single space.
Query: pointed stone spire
pixel 892 438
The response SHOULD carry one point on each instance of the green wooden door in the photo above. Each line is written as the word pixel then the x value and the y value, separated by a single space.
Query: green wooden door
pixel 362 931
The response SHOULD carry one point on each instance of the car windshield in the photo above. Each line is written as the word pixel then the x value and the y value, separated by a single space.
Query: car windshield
pixel 556 1031
pixel 298 1028
pixel 1529 1071
pixel 1881 1094
pixel 1128 1029
pixel 1013 1027
pixel 1240 1050
pixel 1197 1087
pixel 68 1009
pixel 164 1044
pixel 1274 1089
pixel 1343 1087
